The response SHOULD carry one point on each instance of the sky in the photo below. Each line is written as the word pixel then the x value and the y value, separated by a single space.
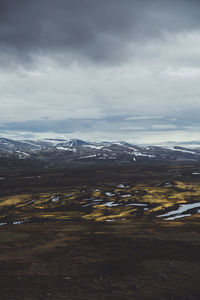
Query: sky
pixel 100 70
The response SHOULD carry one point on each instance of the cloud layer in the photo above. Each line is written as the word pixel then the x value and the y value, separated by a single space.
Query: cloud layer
pixel 97 30
pixel 106 69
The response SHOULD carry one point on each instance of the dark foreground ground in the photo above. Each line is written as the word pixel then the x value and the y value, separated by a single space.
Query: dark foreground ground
pixel 138 256
pixel 100 261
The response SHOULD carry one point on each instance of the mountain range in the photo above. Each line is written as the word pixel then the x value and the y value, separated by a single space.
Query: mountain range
pixel 75 150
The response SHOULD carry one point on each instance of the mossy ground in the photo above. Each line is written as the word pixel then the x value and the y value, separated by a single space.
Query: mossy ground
pixel 67 249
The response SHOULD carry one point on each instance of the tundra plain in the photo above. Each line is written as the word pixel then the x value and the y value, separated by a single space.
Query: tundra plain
pixel 100 232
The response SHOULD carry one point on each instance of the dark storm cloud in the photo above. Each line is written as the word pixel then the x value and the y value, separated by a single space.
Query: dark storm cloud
pixel 97 30
pixel 109 124
pixel 60 126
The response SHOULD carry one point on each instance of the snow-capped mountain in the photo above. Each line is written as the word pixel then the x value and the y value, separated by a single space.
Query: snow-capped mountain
pixel 58 150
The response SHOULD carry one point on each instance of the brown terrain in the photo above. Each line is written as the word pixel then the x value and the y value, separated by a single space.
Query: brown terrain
pixel 100 232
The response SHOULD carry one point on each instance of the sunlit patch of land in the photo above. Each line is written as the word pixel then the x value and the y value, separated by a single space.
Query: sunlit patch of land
pixel 102 203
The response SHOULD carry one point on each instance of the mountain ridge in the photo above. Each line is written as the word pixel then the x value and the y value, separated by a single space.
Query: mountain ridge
pixel 76 150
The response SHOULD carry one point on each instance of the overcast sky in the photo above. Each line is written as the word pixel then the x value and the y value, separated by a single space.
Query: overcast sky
pixel 100 69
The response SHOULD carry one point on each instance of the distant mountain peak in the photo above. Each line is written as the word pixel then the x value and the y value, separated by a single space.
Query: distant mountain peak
pixel 75 143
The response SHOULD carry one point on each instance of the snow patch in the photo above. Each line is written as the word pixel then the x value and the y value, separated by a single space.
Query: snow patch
pixel 126 195
pixel 109 194
pixel 182 150
pixel 177 217
pixel 1 224
pixel 66 149
pixel 20 222
pixel 88 156
pixel 69 195
pixel 111 204
pixel 89 204
pixel 136 204
pixel 55 198
pixel 93 147
pixel 98 200
pixel 122 186
pixel 182 208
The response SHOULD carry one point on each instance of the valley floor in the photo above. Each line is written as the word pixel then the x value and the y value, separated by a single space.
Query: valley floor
pixel 87 260
pixel 100 233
